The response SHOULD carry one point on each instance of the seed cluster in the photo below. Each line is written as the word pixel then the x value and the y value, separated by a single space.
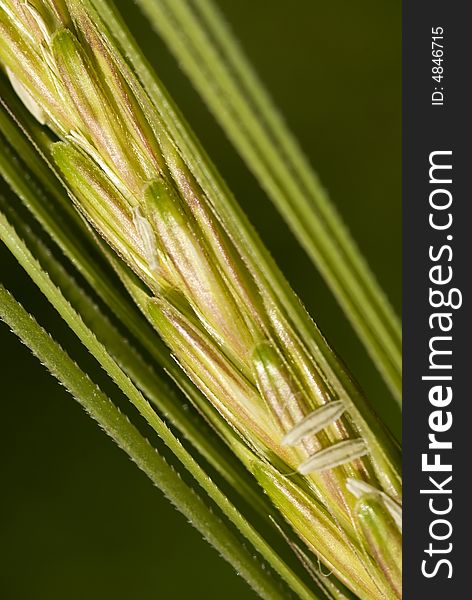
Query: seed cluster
pixel 230 336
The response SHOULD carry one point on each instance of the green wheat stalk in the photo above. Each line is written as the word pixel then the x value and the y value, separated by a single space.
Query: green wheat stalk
pixel 236 339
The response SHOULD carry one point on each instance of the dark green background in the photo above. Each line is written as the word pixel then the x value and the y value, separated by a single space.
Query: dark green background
pixel 78 521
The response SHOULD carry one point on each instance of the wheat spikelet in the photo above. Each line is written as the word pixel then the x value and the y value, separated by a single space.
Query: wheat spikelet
pixel 225 329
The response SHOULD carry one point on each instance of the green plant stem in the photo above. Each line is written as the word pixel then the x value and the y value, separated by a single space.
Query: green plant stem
pixel 128 438
pixel 74 321
pixel 210 56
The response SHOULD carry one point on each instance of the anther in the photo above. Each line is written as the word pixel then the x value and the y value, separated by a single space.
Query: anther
pixel 314 422
pixel 27 99
pixel 359 488
pixel 334 456
pixel 148 238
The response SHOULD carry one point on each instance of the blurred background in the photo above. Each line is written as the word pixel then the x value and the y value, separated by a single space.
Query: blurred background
pixel 334 70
